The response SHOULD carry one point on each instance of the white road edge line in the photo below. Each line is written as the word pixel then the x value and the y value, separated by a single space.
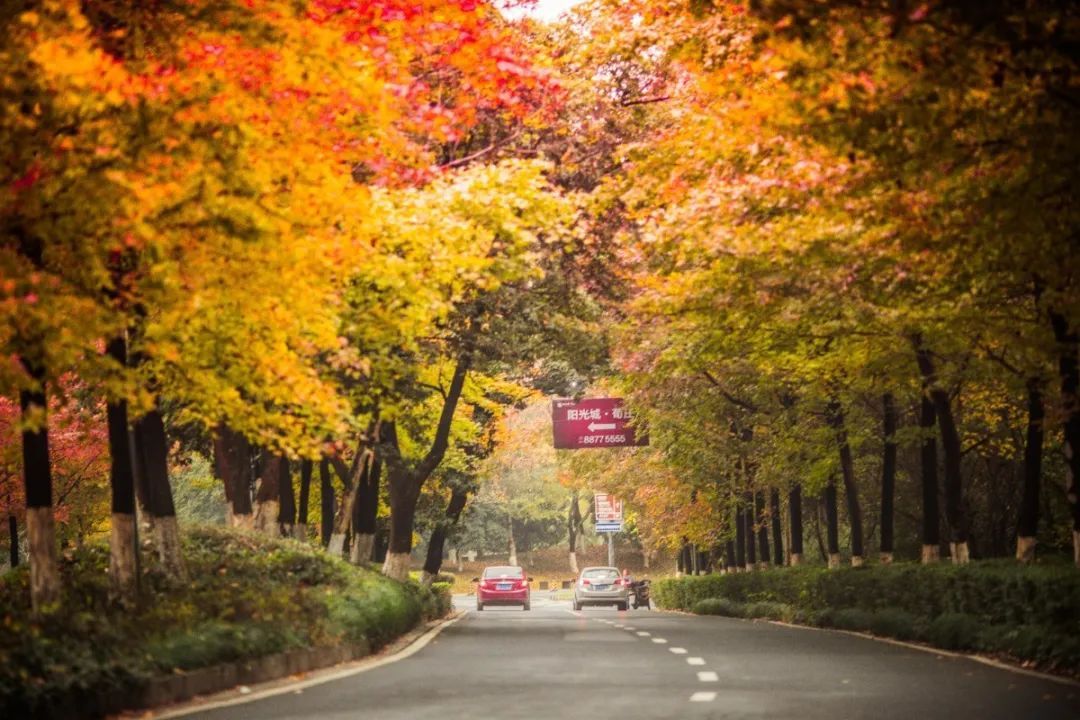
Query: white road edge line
pixel 367 663
pixel 708 676
pixel 935 651
pixel 695 661
pixel 678 650
pixel 703 697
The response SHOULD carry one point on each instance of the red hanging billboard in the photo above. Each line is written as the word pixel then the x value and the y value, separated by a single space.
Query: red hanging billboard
pixel 593 423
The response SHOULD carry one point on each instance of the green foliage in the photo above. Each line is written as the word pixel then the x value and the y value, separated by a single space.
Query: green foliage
pixel 718 606
pixel 1032 613
pixel 198 495
pixel 248 596
pixel 954 631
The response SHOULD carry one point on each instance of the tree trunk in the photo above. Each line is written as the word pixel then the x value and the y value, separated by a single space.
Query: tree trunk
pixel 326 490
pixel 300 530
pixel 740 537
pixel 152 455
pixel 37 482
pixel 404 485
pixel 729 557
pixel 749 518
pixel 1069 370
pixel 268 494
pixel 510 534
pixel 573 519
pixel 232 455
pixel 13 533
pixel 367 513
pixel 1028 522
pixel 950 445
pixel 433 562
pixel 832 525
pixel 888 478
pixel 835 414
pixel 287 509
pixel 761 516
pixel 123 539
pixel 777 527
pixel 403 496
pixel 931 517
pixel 795 521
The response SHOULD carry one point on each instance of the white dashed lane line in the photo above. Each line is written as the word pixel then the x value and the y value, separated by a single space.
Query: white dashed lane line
pixel 659 641
pixel 708 676
pixel 678 650
pixel 695 661
pixel 643 633
pixel 703 697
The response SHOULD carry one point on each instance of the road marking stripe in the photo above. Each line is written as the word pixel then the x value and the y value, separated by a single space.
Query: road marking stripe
pixel 659 641
pixel 708 676
pixel 631 628
pixel 695 661
pixel 678 651
pixel 643 633
pixel 619 625
pixel 192 707
pixel 703 697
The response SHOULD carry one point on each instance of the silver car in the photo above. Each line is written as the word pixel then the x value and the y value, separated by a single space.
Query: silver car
pixel 601 586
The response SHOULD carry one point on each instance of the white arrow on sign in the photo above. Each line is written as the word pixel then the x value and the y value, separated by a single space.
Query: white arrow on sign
pixel 593 427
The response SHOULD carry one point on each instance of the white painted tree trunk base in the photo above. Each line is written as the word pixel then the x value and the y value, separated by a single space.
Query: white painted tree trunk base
pixel 44 573
pixel 167 536
pixel 1025 549
pixel 857 561
pixel 122 558
pixel 336 546
pixel 796 559
pixel 426 578
pixel 886 558
pixel 243 521
pixel 834 560
pixel 930 554
pixel 959 553
pixel 397 566
pixel 362 545
pixel 573 563
pixel 300 531
pixel 265 517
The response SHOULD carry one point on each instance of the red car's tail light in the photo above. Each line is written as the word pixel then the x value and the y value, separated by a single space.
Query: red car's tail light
pixel 584 581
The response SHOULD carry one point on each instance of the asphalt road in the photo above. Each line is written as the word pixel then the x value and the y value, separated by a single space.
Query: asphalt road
pixel 504 663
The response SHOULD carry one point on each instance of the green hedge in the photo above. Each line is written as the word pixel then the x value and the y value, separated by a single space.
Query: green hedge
pixel 247 596
pixel 1032 613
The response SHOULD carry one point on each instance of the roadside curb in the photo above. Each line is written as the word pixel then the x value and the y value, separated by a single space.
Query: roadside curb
pixel 231 684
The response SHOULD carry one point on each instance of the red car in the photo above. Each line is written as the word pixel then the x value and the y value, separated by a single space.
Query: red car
pixel 502 585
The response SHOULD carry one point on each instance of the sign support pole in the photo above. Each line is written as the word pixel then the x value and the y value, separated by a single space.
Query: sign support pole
pixel 611 549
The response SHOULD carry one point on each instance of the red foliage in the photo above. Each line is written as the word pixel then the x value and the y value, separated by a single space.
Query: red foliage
pixel 78 448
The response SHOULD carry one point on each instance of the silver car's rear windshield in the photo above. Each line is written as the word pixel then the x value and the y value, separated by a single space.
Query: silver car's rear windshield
pixel 600 574
pixel 502 571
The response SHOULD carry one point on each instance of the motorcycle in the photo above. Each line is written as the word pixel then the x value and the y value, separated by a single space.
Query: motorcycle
pixel 639 594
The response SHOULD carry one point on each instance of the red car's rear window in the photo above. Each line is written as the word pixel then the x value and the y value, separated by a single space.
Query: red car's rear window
pixel 503 571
